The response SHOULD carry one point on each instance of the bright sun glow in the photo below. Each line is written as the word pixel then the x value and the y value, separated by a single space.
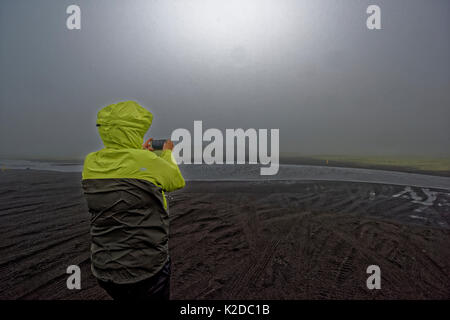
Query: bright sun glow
pixel 231 22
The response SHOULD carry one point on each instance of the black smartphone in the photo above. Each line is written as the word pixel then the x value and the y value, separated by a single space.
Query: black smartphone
pixel 158 144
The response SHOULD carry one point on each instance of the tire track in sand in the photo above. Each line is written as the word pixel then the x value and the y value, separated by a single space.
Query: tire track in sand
pixel 253 271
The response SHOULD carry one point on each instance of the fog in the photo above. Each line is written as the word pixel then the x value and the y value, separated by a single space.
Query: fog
pixel 309 68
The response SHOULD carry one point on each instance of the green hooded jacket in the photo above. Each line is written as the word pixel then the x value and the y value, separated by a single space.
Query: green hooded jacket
pixel 124 187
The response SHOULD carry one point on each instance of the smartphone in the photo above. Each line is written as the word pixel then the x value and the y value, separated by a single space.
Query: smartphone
pixel 158 144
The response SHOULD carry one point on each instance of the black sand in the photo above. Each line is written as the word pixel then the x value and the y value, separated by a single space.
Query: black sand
pixel 246 240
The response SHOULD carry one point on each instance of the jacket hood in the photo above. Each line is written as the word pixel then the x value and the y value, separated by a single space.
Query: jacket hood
pixel 123 125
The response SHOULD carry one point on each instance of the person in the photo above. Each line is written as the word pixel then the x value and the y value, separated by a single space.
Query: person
pixel 124 185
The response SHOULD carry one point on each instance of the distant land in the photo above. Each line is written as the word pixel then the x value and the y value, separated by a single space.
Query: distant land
pixel 414 164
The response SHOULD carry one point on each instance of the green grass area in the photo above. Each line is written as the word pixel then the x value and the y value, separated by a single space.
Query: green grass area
pixel 419 163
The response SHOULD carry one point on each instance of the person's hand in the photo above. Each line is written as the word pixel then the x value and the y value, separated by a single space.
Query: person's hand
pixel 168 145
pixel 148 145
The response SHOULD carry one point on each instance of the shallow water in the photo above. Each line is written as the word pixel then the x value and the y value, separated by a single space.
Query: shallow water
pixel 228 172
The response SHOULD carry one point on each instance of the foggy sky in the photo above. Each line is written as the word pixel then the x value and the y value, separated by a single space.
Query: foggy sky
pixel 310 68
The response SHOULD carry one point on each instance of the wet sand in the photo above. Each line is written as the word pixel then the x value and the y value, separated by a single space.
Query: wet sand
pixel 240 240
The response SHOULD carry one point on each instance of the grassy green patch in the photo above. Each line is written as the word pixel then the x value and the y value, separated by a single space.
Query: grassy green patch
pixel 419 163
